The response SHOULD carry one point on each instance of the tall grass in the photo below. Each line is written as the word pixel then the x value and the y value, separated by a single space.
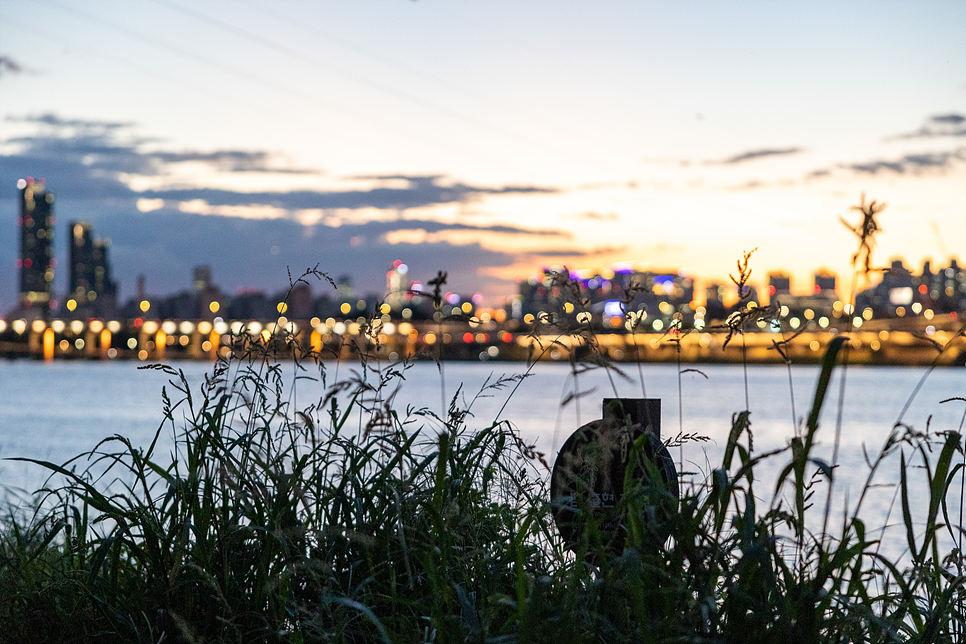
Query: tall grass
pixel 348 519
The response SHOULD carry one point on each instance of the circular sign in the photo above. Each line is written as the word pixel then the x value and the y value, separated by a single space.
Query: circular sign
pixel 594 468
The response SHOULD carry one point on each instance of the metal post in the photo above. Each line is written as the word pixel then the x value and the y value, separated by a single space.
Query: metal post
pixel 645 412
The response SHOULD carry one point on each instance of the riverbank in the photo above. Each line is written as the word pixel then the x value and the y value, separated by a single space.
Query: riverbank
pixel 462 342
pixel 365 518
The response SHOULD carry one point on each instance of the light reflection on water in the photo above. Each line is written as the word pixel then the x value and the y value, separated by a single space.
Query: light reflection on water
pixel 56 411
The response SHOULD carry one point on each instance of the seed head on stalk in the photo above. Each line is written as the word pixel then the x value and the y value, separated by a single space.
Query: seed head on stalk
pixel 865 230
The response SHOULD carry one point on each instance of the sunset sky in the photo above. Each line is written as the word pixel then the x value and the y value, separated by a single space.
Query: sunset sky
pixel 485 139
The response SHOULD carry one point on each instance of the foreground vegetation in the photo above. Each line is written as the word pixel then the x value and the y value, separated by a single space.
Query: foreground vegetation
pixel 350 520
pixel 346 521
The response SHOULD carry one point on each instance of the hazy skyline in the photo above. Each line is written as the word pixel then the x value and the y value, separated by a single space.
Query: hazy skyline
pixel 485 140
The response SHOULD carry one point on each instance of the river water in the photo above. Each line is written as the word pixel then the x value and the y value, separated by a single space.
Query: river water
pixel 58 410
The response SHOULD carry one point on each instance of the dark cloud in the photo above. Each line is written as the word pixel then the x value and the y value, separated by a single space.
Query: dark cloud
pixel 420 191
pixel 91 158
pixel 911 162
pixel 228 161
pixel 53 121
pixel 164 246
pixel 9 66
pixel 942 125
pixel 107 146
pixel 87 164
pixel 758 154
pixel 951 119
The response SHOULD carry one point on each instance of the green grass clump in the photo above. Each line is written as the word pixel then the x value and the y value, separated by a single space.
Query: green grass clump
pixel 348 520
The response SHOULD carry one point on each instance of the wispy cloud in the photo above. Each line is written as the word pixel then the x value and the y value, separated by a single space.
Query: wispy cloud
pixel 596 216
pixel 230 161
pixel 951 119
pixel 9 66
pixel 111 147
pixel 95 159
pixel 911 162
pixel 752 155
pixel 52 120
pixel 942 125
pixel 419 192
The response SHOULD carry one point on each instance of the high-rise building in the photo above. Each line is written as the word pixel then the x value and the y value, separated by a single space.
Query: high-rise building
pixel 92 291
pixel 825 283
pixel 81 260
pixel 104 284
pixel 779 285
pixel 36 262
pixel 201 278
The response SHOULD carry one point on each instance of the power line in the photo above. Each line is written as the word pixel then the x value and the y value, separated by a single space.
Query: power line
pixel 376 85
pixel 419 73
pixel 185 53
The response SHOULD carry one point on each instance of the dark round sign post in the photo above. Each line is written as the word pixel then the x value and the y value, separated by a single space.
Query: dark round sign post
pixel 599 462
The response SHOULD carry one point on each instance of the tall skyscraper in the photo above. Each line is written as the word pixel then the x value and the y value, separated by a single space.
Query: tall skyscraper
pixel 92 291
pixel 201 278
pixel 81 260
pixel 104 284
pixel 36 262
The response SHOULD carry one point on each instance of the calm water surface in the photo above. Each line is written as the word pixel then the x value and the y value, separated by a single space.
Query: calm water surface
pixel 56 411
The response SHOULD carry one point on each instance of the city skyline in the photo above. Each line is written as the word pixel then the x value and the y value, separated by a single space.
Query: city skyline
pixel 92 291
pixel 483 140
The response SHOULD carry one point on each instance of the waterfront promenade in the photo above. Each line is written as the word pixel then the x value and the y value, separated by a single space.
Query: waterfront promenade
pixel 887 342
